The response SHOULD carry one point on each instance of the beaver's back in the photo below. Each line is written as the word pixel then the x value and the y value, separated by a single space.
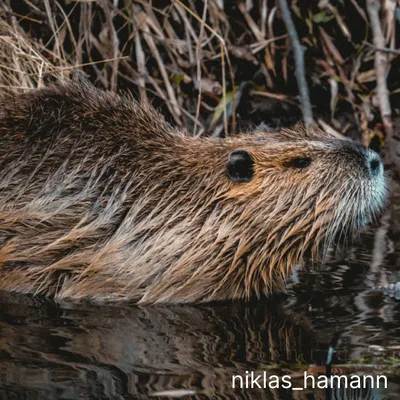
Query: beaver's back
pixel 75 162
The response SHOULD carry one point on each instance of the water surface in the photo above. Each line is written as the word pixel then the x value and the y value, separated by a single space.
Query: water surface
pixel 83 351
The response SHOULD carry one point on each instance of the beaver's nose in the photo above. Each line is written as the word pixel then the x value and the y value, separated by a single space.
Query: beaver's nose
pixel 373 162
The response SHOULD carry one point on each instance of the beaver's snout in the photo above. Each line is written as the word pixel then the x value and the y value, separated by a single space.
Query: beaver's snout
pixel 365 161
pixel 374 163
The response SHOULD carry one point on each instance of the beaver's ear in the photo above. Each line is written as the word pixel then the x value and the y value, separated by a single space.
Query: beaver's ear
pixel 240 167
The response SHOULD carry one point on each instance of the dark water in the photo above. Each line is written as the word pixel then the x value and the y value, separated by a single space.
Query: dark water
pixel 76 351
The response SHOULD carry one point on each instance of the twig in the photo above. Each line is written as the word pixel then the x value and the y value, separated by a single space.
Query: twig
pixel 224 52
pixel 373 7
pixel 198 55
pixel 258 46
pixel 377 274
pixel 277 96
pixel 298 52
pixel 142 20
pixel 53 27
pixel 58 69
pixel 158 92
pixel 382 49
pixel 114 43
pixel 141 65
pixel 22 17
pixel 328 129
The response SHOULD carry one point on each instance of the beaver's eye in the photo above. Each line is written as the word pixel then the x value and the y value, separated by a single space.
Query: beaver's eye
pixel 301 162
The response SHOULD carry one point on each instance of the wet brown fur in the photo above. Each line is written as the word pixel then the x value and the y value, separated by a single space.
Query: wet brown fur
pixel 101 198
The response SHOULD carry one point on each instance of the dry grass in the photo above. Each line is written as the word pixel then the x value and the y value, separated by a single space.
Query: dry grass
pixel 206 63
pixel 22 61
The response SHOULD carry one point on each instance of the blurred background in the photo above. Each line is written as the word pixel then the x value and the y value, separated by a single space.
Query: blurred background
pixel 203 61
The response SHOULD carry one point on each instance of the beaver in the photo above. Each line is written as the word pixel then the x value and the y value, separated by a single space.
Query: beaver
pixel 100 198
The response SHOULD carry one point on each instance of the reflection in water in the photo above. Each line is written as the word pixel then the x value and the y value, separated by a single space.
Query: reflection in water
pixel 78 351
pixel 104 351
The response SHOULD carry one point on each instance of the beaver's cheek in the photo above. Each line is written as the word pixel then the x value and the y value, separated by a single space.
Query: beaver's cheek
pixel 247 190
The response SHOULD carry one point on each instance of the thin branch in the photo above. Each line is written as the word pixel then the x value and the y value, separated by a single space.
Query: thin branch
pixel 298 52
pixel 114 43
pixel 224 52
pixel 328 129
pixel 382 49
pixel 58 69
pixel 377 275
pixel 381 65
pixel 52 26
pixel 198 57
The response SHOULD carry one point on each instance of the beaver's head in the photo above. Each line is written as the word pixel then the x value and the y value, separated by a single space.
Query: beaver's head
pixel 302 189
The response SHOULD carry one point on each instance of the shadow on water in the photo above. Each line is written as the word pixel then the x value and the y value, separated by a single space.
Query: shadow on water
pixel 79 351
